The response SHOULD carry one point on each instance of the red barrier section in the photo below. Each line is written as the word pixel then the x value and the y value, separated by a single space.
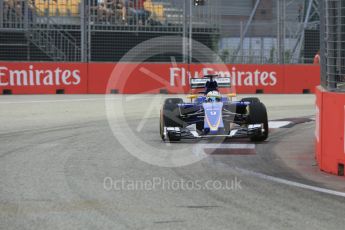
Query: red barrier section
pixel 299 78
pixel 153 78
pixel 131 78
pixel 330 131
pixel 43 78
pixel 248 78
pixel 98 77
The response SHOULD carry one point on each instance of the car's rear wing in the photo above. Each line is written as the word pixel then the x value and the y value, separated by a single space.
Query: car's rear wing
pixel 223 82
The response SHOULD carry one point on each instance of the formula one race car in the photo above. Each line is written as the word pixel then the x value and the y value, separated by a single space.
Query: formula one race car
pixel 210 114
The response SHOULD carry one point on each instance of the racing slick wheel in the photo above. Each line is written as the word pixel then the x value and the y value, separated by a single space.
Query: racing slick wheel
pixel 251 99
pixel 243 109
pixel 258 115
pixel 169 117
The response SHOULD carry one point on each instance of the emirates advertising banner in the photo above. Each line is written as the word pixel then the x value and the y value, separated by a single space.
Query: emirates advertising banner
pixel 148 78
pixel 43 78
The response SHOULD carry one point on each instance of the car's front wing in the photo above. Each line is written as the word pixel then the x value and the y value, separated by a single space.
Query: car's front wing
pixel 191 133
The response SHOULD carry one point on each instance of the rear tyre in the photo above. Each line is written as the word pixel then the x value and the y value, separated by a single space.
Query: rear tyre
pixel 258 115
pixel 170 117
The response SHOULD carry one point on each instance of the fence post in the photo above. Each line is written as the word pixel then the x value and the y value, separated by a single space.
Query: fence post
pixel 280 30
pixel 2 13
pixel 89 30
pixel 26 14
pixel 184 33
pixel 241 41
pixel 82 32
pixel 322 43
pixel 190 31
pixel 261 50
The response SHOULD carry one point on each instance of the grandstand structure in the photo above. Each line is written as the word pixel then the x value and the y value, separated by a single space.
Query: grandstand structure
pixel 91 30
pixel 246 31
pixel 269 31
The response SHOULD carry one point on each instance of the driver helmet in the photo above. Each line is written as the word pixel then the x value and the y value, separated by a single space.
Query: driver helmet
pixel 213 96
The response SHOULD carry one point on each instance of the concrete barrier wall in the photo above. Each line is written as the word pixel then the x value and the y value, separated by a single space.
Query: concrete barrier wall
pixel 131 78
pixel 330 131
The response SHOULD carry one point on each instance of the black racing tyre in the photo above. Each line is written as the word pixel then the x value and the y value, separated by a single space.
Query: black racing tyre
pixel 170 116
pixel 161 126
pixel 258 115
pixel 200 126
pixel 171 113
pixel 175 100
pixel 251 99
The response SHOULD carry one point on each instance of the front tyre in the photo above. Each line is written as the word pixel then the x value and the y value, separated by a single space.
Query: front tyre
pixel 258 115
pixel 170 117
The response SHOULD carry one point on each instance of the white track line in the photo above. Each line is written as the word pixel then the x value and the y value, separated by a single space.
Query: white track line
pixel 228 146
pixel 51 101
pixel 291 183
pixel 198 149
pixel 278 124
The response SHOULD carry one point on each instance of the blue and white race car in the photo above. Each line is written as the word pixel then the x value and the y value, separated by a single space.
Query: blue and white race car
pixel 210 114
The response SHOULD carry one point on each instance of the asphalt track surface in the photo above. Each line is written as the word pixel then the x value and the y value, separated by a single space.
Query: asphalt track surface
pixel 60 159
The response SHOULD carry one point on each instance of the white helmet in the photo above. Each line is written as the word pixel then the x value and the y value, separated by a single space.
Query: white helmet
pixel 213 96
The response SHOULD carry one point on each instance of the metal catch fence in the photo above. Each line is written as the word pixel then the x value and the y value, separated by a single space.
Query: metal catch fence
pixel 246 31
